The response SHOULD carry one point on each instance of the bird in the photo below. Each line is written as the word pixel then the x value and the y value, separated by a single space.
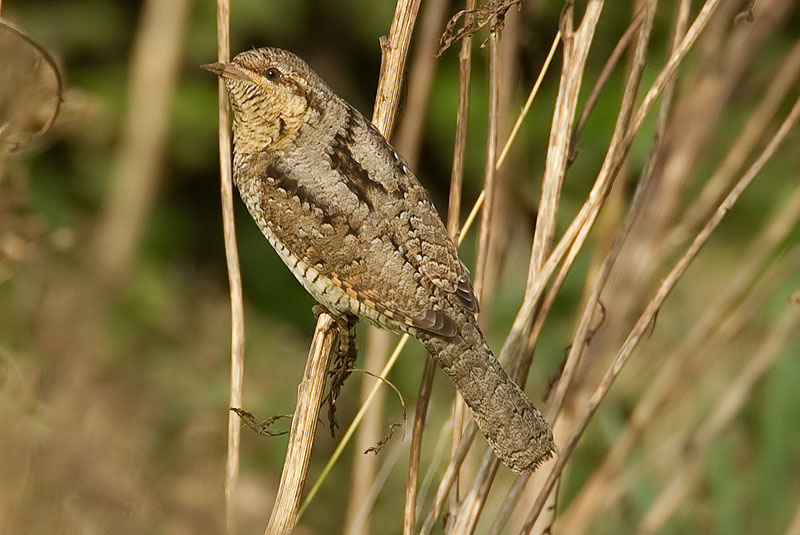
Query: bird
pixel 352 222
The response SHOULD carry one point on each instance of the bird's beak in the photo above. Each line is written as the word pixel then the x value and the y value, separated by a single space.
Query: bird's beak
pixel 230 71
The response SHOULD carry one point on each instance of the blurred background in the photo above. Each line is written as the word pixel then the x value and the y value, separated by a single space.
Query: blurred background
pixel 114 313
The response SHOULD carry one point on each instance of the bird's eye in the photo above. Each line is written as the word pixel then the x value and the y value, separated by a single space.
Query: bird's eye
pixel 272 73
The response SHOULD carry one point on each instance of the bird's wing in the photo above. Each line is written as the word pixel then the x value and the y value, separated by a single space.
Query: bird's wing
pixel 406 209
pixel 361 219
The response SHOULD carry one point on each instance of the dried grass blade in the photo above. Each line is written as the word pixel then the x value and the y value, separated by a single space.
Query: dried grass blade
pixel 654 305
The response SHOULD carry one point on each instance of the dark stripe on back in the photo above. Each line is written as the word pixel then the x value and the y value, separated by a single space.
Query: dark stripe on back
pixel 355 176
pixel 330 213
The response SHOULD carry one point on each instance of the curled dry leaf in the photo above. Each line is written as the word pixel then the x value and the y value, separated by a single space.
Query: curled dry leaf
pixel 262 428
pixel 473 20
pixel 31 92
pixel 385 440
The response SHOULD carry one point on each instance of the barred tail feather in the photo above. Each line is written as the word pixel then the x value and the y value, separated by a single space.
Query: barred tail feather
pixel 514 428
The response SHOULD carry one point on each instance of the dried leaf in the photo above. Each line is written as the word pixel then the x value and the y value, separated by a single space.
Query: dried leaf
pixel 474 20
pixel 262 428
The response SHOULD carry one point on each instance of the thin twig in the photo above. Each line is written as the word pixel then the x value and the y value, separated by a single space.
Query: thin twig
pixel 454 208
pixel 364 469
pixel 449 477
pixel 588 212
pixel 462 119
pixel 620 132
pixel 575 54
pixel 469 433
pixel 490 168
pixel 521 329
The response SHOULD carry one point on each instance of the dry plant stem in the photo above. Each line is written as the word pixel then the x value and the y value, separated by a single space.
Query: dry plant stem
pixel 614 157
pixel 137 162
pixel 794 524
pixel 654 305
pixel 581 336
pixel 674 61
pixel 758 122
pixel 672 378
pixel 473 503
pixel 304 425
pixel 699 442
pixel 538 279
pixel 484 233
pixel 457 173
pixel 467 514
pixel 393 62
pixel 365 467
pixel 353 426
pixel 234 274
pixel 576 50
pixel 726 55
pixel 458 452
pixel 425 387
pixel 454 209
pixel 449 477
pixel 665 112
pixel 536 283
pixel 456 181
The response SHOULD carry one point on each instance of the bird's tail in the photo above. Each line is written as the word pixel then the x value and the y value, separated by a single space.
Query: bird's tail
pixel 514 428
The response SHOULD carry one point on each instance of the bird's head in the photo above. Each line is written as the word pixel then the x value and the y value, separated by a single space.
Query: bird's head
pixel 272 94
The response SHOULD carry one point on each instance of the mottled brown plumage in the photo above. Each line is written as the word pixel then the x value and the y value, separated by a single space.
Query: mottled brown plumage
pixel 357 229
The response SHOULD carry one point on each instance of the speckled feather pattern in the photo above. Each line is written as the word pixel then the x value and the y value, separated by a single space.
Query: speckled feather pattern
pixel 357 229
